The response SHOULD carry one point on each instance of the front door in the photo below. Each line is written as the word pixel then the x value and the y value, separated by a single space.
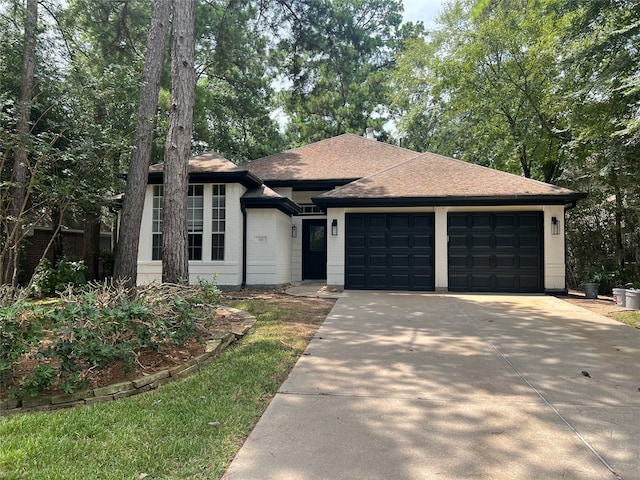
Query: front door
pixel 314 249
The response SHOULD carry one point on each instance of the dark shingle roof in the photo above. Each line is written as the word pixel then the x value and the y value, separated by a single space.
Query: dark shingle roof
pixel 265 197
pixel 435 179
pixel 346 157
pixel 210 167
pixel 206 162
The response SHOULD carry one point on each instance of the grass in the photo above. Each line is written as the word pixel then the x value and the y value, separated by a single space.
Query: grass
pixel 167 433
pixel 630 318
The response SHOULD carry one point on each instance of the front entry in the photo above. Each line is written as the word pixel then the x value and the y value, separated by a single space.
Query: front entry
pixel 314 249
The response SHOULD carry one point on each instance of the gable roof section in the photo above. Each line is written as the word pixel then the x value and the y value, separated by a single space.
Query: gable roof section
pixel 431 180
pixel 210 167
pixel 264 197
pixel 327 163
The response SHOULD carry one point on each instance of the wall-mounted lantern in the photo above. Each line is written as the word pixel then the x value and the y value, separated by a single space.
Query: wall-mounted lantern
pixel 294 231
pixel 555 226
pixel 334 227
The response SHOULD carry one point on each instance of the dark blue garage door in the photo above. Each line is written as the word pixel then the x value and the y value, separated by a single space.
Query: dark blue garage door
pixel 389 251
pixel 495 252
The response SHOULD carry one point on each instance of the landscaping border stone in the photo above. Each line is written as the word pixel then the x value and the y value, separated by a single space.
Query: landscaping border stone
pixel 214 346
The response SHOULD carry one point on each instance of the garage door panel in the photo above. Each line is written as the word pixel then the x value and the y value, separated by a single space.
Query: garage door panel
pixel 400 261
pixel 398 252
pixel 377 281
pixel 423 261
pixel 356 260
pixel 422 241
pixel 377 241
pixel 377 261
pixel 506 261
pixel 423 282
pixel 480 222
pixel 356 241
pixel 504 241
pixel 528 282
pixel 377 222
pixel 399 222
pixel 482 281
pixel 506 282
pixel 400 281
pixel 505 221
pixel 399 241
pixel 529 261
pixel 499 251
pixel 530 241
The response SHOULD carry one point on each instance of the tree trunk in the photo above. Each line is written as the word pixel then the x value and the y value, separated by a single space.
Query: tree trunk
pixel 10 268
pixel 126 257
pixel 175 260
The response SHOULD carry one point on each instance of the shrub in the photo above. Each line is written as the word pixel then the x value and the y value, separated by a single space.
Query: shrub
pixel 90 328
pixel 47 279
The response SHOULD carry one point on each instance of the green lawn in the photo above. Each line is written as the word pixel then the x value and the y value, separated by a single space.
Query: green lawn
pixel 167 433
pixel 630 318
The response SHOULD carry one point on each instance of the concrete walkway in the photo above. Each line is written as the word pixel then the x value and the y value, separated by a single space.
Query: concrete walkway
pixel 430 386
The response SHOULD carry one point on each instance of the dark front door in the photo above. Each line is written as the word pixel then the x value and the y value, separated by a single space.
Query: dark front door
pixel 314 249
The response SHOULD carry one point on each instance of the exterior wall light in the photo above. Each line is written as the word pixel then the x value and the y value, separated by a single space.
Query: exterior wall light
pixel 294 231
pixel 555 226
pixel 334 228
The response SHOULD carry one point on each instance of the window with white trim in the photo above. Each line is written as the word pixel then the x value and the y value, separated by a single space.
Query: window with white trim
pixel 156 223
pixel 195 220
pixel 218 221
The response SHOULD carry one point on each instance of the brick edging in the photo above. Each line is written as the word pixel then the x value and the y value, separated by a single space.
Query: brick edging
pixel 213 347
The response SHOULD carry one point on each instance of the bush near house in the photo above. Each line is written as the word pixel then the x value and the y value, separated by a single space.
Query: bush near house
pixel 48 346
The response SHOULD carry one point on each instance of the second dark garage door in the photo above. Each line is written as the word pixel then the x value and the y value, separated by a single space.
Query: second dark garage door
pixel 495 252
pixel 387 251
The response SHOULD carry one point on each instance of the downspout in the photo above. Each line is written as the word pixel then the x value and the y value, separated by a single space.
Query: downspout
pixel 244 245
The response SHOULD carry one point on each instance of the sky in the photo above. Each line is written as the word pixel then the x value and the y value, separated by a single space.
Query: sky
pixel 425 10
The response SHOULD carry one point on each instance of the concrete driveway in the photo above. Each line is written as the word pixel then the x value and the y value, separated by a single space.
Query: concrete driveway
pixel 430 386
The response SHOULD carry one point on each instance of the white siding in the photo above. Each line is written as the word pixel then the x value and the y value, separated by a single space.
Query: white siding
pixel 336 245
pixel 269 244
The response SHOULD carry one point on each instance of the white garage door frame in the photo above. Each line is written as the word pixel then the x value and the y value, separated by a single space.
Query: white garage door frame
pixel 554 245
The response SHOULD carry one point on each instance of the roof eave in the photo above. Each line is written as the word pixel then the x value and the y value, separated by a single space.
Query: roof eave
pixel 467 201
pixel 283 204
pixel 243 177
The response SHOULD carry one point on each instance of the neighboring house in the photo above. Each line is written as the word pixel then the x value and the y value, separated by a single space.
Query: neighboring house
pixel 362 214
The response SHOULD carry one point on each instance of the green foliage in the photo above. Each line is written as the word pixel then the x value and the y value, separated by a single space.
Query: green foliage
pixel 47 279
pixel 548 91
pixel 41 378
pixel 163 433
pixel 94 328
pixel 20 330
pixel 337 57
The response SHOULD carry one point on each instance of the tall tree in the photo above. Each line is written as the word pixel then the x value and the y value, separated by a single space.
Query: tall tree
pixel 485 85
pixel 175 258
pixel 602 66
pixel 337 58
pixel 126 259
pixel 10 265
pixel 234 82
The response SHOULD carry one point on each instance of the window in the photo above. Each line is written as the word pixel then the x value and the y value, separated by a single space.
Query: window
pixel 310 209
pixel 218 222
pixel 156 228
pixel 195 220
